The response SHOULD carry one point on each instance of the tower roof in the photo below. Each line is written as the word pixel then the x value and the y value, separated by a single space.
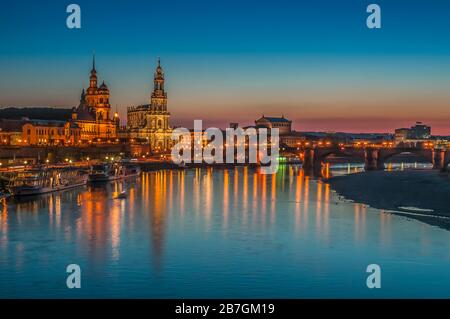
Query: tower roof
pixel 83 96
pixel 103 87
pixel 93 63
pixel 159 69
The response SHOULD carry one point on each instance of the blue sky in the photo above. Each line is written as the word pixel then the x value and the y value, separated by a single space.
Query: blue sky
pixel 315 61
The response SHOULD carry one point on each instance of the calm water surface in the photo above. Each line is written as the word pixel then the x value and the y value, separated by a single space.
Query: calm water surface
pixel 216 233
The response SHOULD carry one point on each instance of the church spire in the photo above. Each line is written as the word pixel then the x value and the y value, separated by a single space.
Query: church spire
pixel 159 96
pixel 159 79
pixel 159 71
pixel 93 63
pixel 93 77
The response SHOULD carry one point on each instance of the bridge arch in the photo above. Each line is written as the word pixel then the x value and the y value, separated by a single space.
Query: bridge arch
pixel 427 155
pixel 356 154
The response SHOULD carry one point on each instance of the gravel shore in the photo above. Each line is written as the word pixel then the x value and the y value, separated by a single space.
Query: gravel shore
pixel 420 194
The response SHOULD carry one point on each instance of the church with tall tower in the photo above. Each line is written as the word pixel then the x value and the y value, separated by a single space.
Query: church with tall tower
pixel 149 123
pixel 93 114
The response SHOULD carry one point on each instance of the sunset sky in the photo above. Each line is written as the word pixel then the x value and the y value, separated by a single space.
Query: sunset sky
pixel 316 62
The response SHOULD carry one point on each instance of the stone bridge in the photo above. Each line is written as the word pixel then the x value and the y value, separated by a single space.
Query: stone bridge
pixel 374 158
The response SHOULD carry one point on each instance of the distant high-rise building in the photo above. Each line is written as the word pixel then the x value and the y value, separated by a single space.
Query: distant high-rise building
pixel 420 131
pixel 410 135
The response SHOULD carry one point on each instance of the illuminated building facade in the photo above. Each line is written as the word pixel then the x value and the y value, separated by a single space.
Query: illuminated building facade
pixel 288 138
pixel 11 132
pixel 281 123
pixel 39 132
pixel 93 113
pixel 149 123
pixel 413 135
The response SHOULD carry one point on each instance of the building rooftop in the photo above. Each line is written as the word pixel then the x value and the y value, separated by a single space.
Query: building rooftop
pixel 7 125
pixel 47 123
pixel 36 113
pixel 275 119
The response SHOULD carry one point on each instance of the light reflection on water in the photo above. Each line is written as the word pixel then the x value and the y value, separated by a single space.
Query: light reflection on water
pixel 216 233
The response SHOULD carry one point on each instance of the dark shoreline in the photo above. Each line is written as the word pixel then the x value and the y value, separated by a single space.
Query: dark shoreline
pixel 424 189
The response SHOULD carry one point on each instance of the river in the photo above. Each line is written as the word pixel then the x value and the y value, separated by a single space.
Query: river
pixel 216 233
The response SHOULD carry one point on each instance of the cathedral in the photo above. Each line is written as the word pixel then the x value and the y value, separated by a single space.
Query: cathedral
pixel 93 113
pixel 149 123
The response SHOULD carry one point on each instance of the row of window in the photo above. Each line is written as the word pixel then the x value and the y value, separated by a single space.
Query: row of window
pixel 45 132
pixel 281 124
pixel 51 132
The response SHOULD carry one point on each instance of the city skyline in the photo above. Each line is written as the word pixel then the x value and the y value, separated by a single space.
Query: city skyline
pixel 347 78
pixel 224 158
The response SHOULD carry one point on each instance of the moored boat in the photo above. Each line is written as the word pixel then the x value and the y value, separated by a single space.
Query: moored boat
pixel 42 181
pixel 111 172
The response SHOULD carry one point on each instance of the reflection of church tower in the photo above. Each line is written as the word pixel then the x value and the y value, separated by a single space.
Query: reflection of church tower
pixel 159 96
pixel 157 188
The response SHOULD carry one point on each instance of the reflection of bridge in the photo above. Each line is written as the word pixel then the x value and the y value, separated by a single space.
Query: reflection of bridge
pixel 373 157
